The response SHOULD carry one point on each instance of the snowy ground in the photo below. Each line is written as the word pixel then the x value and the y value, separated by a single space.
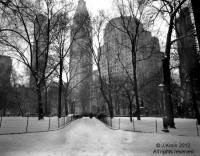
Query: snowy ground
pixel 185 127
pixel 90 137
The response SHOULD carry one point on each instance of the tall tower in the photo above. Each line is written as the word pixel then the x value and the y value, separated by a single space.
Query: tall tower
pixel 81 60
pixel 188 54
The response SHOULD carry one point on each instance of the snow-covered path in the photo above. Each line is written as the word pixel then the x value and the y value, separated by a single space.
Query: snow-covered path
pixel 90 137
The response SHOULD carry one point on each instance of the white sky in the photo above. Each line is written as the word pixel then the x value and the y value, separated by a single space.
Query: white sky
pixel 94 5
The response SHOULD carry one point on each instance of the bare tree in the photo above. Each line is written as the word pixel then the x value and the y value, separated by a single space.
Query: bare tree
pixel 27 34
pixel 96 50
pixel 170 8
pixel 62 47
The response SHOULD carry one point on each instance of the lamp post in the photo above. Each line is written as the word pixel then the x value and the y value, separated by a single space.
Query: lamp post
pixel 163 104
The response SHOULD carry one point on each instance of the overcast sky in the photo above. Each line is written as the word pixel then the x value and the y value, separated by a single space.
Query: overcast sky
pixel 95 5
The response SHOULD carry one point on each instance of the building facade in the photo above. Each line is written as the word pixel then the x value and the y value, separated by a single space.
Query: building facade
pixel 188 60
pixel 5 70
pixel 5 85
pixel 81 60
pixel 116 64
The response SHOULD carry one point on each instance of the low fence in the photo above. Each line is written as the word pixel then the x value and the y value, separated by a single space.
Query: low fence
pixel 18 125
pixel 184 127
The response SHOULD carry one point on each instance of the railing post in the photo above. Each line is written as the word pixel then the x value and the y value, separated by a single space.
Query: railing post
pixel 27 124
pixel 197 128
pixel 133 125
pixel 61 121
pixel 49 123
pixel 58 122
pixel 156 126
pixel 119 123
pixel 1 120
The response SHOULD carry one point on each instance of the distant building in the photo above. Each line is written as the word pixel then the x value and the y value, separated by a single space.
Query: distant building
pixel 116 61
pixel 96 99
pixel 188 58
pixel 5 70
pixel 5 85
pixel 81 59
pixel 52 100
pixel 116 51
pixel 23 99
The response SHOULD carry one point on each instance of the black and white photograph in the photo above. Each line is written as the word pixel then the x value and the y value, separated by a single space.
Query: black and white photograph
pixel 99 78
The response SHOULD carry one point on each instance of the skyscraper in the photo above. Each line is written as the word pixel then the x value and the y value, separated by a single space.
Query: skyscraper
pixel 5 74
pixel 81 59
pixel 188 57
pixel 116 64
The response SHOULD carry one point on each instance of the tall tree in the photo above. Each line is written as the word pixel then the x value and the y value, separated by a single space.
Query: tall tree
pixel 169 8
pixel 28 32
pixel 62 47
pixel 96 50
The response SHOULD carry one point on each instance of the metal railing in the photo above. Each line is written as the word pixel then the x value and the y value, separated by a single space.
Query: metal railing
pixel 20 125
pixel 184 127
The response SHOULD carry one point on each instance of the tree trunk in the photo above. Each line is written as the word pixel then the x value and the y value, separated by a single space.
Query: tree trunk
pixel 167 75
pixel 117 104
pixel 66 99
pixel 130 110
pixel 39 100
pixel 167 97
pixel 135 87
pixel 60 88
pixel 46 101
pixel 110 106
pixel 66 105
pixel 136 97
pixel 4 105
pixel 166 66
